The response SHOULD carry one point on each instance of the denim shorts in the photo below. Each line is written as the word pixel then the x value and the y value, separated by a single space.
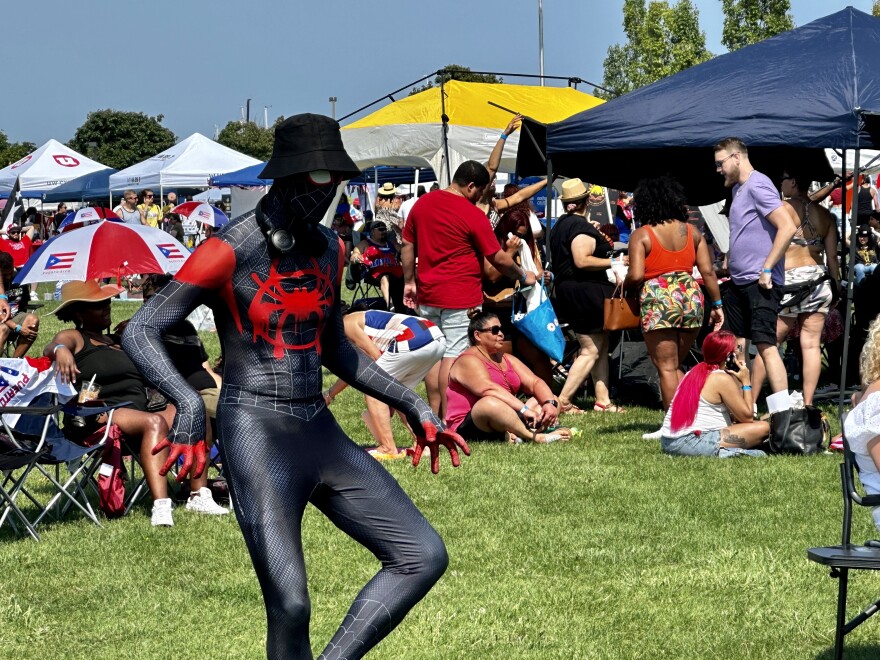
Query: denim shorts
pixel 707 443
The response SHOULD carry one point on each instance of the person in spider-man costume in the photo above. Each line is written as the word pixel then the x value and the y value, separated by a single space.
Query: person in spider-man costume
pixel 278 316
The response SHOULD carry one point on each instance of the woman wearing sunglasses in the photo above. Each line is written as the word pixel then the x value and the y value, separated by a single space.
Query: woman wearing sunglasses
pixel 484 388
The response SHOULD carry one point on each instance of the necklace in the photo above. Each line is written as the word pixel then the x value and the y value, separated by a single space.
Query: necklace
pixel 498 366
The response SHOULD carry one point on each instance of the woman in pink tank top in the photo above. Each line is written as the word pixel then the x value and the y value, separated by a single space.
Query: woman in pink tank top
pixel 482 400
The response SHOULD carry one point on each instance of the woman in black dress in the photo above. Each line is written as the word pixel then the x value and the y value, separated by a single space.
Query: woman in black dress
pixel 581 255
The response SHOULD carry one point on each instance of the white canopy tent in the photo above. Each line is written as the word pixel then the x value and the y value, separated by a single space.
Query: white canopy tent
pixel 188 164
pixel 46 168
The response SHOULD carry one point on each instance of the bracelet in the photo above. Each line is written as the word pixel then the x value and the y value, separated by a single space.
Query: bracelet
pixel 767 270
pixel 718 303
pixel 523 277
pixel 523 410
pixel 747 388
pixel 3 296
pixel 18 328
pixel 57 346
pixel 503 136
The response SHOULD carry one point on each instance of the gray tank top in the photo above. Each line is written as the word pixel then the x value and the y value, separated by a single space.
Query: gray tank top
pixel 130 217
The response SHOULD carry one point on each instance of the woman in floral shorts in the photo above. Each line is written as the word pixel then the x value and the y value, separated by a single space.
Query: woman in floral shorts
pixel 662 256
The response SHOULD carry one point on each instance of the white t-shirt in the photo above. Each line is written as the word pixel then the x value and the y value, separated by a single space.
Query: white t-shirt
pixel 862 425
pixel 406 207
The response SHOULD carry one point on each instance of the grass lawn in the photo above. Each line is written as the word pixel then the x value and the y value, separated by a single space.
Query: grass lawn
pixel 598 548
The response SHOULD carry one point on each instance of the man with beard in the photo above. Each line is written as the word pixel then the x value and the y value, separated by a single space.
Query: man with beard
pixel 761 229
pixel 272 278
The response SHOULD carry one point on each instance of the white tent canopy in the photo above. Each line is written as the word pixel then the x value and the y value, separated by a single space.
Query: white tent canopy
pixel 188 164
pixel 46 168
pixel 869 160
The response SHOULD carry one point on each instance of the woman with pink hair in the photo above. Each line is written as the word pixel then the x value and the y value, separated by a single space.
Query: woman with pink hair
pixel 717 390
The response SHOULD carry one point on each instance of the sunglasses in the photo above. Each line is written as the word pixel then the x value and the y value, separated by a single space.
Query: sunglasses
pixel 719 163
pixel 494 329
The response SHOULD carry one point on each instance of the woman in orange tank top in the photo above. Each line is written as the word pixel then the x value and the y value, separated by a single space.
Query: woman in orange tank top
pixel 662 256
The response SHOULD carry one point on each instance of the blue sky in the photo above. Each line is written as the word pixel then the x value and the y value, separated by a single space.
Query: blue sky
pixel 196 62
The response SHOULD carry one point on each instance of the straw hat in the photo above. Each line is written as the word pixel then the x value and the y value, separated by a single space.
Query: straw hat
pixel 387 190
pixel 89 291
pixel 573 190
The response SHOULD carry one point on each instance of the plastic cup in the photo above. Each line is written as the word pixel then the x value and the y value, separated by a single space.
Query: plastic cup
pixel 89 392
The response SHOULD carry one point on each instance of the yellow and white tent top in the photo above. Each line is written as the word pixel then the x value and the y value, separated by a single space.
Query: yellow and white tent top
pixel 409 132
pixel 467 105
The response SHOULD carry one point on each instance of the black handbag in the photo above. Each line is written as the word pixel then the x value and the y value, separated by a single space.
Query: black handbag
pixel 798 431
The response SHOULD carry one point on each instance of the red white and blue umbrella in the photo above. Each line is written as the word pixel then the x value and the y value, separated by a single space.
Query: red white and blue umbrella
pixel 202 212
pixel 86 216
pixel 105 249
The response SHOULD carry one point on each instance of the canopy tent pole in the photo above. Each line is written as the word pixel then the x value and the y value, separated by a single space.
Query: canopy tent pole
pixel 548 215
pixel 848 262
pixel 445 119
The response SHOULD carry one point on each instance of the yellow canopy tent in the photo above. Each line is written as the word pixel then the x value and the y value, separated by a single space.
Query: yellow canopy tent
pixel 409 132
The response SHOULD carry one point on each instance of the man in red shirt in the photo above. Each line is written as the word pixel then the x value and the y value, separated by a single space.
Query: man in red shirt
pixel 17 245
pixel 450 237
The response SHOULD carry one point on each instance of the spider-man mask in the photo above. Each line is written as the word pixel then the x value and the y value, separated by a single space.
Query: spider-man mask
pixel 298 203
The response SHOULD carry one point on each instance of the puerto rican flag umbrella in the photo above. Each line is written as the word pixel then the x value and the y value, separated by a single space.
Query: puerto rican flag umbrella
pixel 202 212
pixel 86 216
pixel 105 249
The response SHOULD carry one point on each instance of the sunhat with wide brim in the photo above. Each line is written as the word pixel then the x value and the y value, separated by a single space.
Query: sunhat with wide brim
pixel 573 190
pixel 89 291
pixel 387 190
pixel 305 143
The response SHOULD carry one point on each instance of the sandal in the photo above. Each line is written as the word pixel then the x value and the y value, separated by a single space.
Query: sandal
pixel 608 407
pixel 570 409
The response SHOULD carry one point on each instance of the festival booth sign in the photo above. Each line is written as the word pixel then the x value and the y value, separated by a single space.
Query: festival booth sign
pixel 188 164
pixel 91 187
pixel 410 132
pixel 43 170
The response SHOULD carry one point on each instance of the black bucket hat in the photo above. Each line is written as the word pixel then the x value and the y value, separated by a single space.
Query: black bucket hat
pixel 307 142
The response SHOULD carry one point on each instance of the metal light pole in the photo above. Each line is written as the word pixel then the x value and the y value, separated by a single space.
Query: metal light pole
pixel 333 107
pixel 541 40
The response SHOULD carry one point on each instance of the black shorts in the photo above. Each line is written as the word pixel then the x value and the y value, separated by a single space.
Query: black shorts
pixel 751 311
pixel 470 431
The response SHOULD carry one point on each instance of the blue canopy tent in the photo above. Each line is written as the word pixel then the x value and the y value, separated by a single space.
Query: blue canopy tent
pixel 787 98
pixel 249 176
pixel 92 187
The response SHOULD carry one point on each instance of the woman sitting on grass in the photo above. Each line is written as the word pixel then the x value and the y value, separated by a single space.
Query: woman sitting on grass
pixel 698 422
pixel 484 384
pixel 861 426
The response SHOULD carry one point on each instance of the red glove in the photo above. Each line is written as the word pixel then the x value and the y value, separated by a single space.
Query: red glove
pixel 189 452
pixel 432 439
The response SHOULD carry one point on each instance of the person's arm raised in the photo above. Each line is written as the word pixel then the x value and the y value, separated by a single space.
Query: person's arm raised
pixel 495 157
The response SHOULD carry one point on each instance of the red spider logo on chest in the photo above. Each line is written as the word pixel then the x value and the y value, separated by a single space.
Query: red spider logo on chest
pixel 306 301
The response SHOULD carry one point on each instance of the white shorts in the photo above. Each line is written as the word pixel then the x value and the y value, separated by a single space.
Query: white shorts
pixel 410 367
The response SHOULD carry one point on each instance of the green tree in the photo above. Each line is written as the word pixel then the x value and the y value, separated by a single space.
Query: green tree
pixel 121 139
pixel 13 151
pixel 457 72
pixel 875 10
pixel 249 138
pixel 747 22
pixel 661 40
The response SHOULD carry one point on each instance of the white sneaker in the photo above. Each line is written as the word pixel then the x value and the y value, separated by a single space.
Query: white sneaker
pixel 655 435
pixel 202 501
pixel 162 513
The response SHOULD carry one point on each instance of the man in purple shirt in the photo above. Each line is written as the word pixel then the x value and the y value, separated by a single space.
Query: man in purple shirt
pixel 761 229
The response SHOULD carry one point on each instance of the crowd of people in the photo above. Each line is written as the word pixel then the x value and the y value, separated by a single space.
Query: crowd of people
pixel 448 263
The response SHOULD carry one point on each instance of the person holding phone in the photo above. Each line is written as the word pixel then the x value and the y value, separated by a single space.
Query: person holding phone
pixel 711 412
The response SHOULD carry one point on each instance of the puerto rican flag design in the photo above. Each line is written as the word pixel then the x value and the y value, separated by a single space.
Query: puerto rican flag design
pixel 60 260
pixel 170 251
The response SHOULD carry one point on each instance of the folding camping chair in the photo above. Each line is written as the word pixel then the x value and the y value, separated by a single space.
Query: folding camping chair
pixel 366 293
pixel 847 556
pixel 37 432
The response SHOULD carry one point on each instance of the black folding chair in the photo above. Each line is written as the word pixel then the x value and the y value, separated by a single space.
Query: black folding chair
pixel 847 556
pixel 366 293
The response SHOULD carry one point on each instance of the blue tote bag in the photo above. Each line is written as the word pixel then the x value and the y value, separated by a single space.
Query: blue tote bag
pixel 534 316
